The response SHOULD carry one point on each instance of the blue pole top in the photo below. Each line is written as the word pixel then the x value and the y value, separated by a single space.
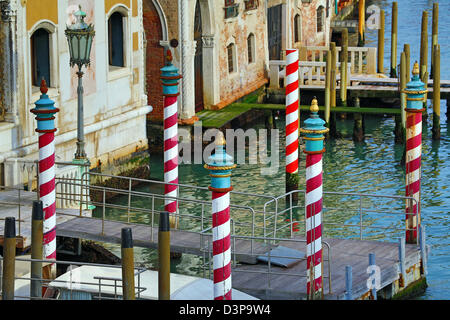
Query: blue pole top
pixel 170 77
pixel 45 111
pixel 220 165
pixel 314 129
pixel 415 91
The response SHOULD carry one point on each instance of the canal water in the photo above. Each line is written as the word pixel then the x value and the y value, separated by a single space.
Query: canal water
pixel 372 166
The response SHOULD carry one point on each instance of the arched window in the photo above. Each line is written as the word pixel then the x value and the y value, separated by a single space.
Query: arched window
pixel 251 48
pixel 297 28
pixel 231 52
pixel 116 40
pixel 320 18
pixel 40 57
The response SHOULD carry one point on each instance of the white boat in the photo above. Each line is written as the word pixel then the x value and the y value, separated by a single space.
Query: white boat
pixel 94 282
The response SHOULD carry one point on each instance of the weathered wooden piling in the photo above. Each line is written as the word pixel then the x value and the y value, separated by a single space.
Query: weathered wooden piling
pixel 292 121
pixel 314 131
pixel 415 91
pixel 424 45
pixel 407 51
pixel 36 249
pixel 380 49
pixel 358 130
pixel 328 88
pixel 344 63
pixel 437 93
pixel 164 257
pixel 403 82
pixel 9 259
pixel 220 165
pixel 361 23
pixel 333 132
pixel 394 28
pixel 128 289
pixel 434 35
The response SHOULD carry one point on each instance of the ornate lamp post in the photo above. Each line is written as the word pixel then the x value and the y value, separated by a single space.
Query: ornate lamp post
pixel 79 36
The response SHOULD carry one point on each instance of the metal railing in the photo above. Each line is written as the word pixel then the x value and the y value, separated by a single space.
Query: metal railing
pixel 74 283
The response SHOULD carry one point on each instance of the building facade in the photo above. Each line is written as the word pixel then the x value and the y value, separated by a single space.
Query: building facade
pixel 33 43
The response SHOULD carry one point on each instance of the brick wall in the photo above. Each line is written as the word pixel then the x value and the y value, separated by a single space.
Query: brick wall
pixel 154 60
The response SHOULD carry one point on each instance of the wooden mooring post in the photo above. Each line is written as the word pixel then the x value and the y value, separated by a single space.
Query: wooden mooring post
pixel 407 51
pixel 358 129
pixel 127 265
pixel 380 49
pixel 394 28
pixel 424 45
pixel 344 61
pixel 328 88
pixel 164 257
pixel 9 259
pixel 361 23
pixel 400 120
pixel 437 93
pixel 434 35
pixel 36 249
pixel 333 131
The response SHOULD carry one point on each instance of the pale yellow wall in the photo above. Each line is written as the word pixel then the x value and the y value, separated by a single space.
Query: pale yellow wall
pixel 35 11
pixel 111 3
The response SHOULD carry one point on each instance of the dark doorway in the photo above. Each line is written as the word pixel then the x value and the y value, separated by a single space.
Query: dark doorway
pixel 40 57
pixel 274 32
pixel 198 60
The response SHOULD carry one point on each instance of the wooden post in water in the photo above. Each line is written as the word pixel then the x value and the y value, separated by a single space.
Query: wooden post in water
pixel 164 257
pixel 361 23
pixel 403 82
pixel 394 28
pixel 333 132
pixel 328 88
pixel 344 61
pixel 434 35
pixel 358 130
pixel 380 49
pixel 37 225
pixel 437 93
pixel 127 265
pixel 9 259
pixel 424 45
pixel 407 51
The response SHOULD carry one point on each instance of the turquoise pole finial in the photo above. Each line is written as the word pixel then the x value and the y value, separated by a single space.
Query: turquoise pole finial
pixel 220 165
pixel 415 91
pixel 314 129
pixel 170 77
pixel 45 111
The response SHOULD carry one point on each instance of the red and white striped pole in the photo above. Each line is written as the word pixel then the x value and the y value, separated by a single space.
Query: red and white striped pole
pixel 314 135
pixel 292 119
pixel 45 111
pixel 220 165
pixel 170 77
pixel 415 91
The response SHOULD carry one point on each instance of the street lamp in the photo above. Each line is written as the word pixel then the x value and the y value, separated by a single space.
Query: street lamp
pixel 79 36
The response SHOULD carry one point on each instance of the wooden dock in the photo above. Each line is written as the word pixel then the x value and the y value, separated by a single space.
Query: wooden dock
pixel 251 276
